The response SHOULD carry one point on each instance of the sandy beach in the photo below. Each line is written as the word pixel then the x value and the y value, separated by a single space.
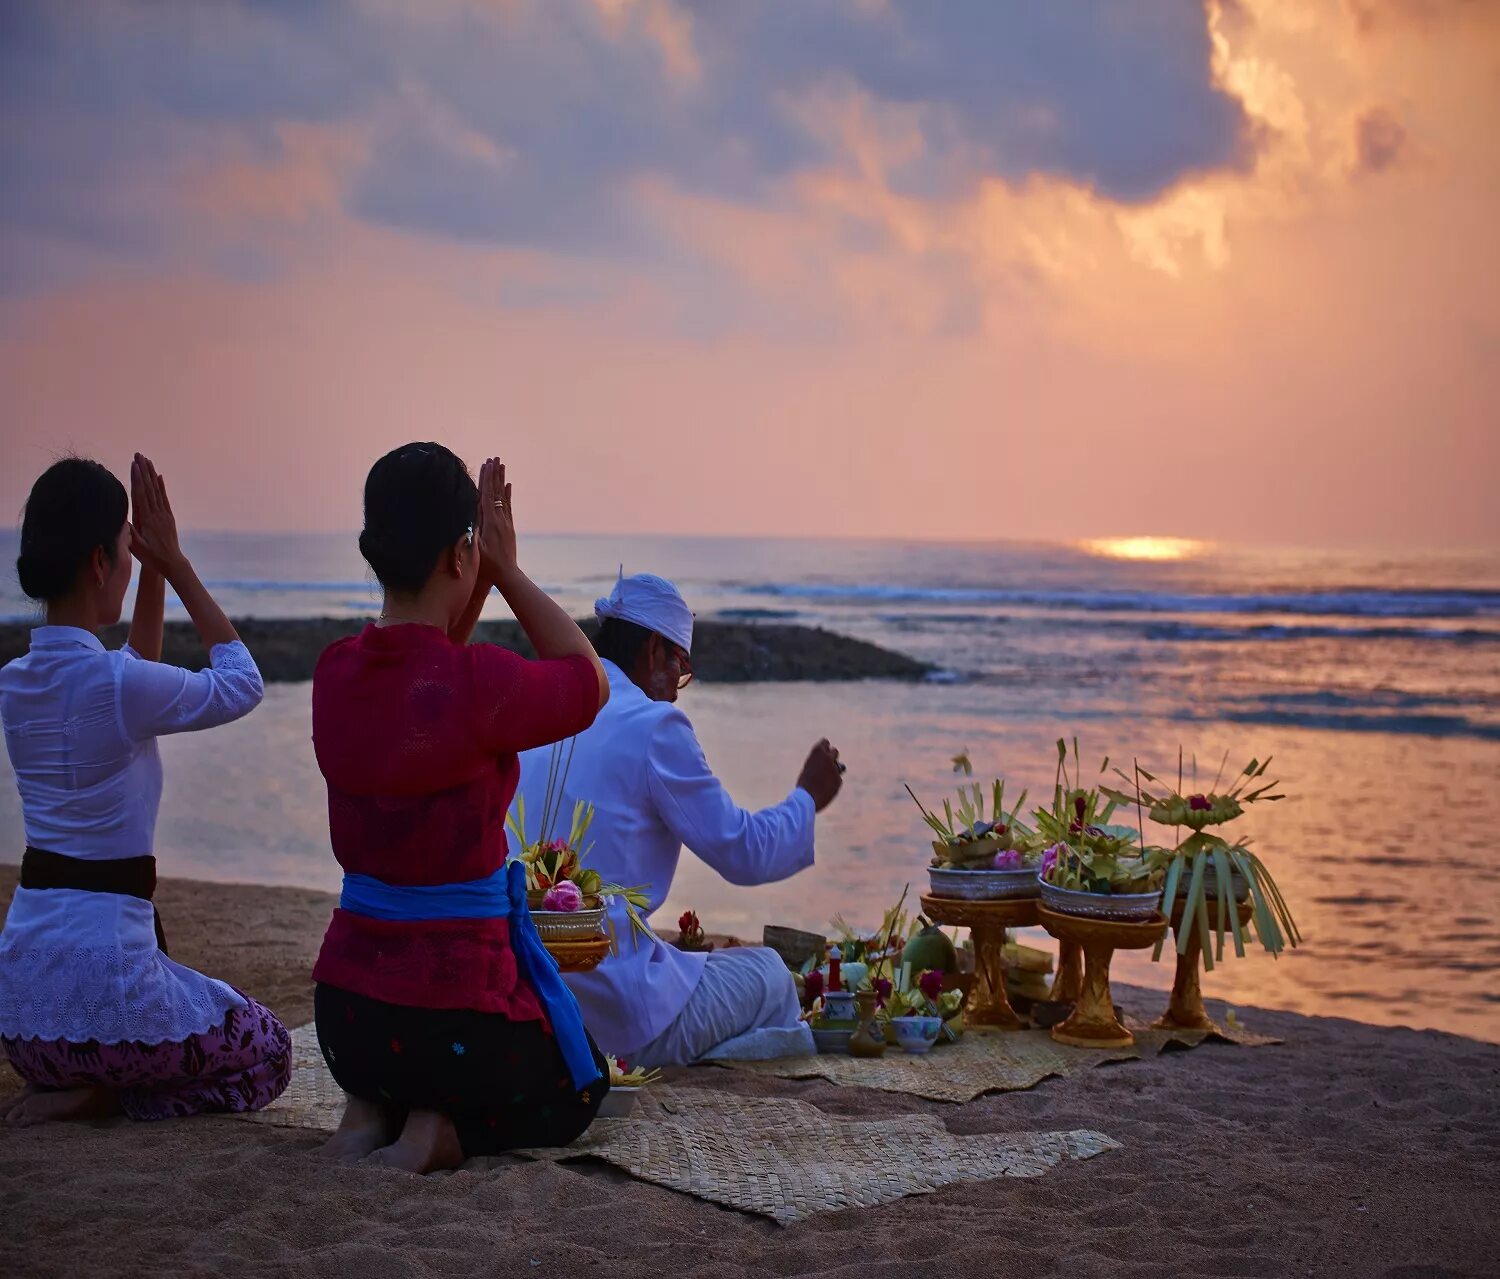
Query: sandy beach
pixel 1349 1150
pixel 986 452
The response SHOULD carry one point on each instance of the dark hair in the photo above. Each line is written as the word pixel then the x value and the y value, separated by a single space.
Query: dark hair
pixel 419 500
pixel 75 506
pixel 622 642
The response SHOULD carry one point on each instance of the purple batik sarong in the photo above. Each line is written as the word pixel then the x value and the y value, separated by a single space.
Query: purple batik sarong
pixel 244 1063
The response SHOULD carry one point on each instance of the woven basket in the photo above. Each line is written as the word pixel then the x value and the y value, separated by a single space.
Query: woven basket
pixel 569 925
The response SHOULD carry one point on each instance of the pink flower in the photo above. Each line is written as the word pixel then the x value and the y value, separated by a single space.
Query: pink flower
pixel 930 984
pixel 1199 803
pixel 1008 859
pixel 1049 858
pixel 882 991
pixel 565 896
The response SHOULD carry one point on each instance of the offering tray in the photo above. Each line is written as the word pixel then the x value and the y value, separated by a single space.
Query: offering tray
pixel 578 955
pixel 568 925
pixel 1123 906
pixel 1093 1023
pixel 987 1007
pixel 618 1102
pixel 1185 1009
pixel 953 883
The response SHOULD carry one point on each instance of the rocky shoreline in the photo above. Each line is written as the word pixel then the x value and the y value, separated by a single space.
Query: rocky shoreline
pixel 724 652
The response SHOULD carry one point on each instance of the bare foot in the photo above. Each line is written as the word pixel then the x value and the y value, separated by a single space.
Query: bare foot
pixel 428 1143
pixel 14 1105
pixel 364 1129
pixel 68 1103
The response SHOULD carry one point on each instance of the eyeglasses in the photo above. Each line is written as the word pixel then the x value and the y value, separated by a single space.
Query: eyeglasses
pixel 685 664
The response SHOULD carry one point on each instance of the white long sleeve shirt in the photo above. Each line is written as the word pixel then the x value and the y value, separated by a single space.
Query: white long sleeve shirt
pixel 81 725
pixel 653 792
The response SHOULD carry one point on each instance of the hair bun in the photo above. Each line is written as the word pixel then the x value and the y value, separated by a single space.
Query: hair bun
pixel 75 508
pixel 42 572
pixel 419 499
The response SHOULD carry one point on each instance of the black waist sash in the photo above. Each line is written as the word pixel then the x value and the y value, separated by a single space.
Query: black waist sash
pixel 126 876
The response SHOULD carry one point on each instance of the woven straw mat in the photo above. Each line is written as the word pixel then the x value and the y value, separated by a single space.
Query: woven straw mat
pixel 312 1099
pixel 981 1063
pixel 781 1158
pixel 788 1160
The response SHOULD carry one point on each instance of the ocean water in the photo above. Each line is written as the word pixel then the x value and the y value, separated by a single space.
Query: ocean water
pixel 1373 681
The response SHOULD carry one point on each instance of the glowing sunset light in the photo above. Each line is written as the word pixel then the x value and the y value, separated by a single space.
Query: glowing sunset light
pixel 1144 548
pixel 1231 252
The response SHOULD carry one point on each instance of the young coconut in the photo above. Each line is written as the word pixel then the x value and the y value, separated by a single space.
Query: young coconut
pixel 930 950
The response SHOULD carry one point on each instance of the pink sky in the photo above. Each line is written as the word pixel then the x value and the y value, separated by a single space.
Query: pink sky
pixel 1229 274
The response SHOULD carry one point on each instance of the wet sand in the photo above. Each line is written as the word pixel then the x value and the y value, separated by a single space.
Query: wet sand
pixel 1351 1150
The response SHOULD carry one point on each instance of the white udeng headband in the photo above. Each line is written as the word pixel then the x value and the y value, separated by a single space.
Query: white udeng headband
pixel 652 602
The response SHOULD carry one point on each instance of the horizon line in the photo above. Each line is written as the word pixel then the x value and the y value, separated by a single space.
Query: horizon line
pixel 1211 546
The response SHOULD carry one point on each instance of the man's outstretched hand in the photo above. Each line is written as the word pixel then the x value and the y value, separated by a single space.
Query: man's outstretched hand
pixel 822 775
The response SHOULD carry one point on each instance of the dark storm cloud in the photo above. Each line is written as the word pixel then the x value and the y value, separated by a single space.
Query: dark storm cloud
pixel 524 123
pixel 1116 95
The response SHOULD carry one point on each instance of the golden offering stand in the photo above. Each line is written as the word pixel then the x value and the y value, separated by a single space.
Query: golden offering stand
pixel 578 955
pixel 1068 981
pixel 1185 1009
pixel 988 1007
pixel 1093 1023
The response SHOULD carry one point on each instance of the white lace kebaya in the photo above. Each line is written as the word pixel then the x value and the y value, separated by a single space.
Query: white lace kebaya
pixel 81 724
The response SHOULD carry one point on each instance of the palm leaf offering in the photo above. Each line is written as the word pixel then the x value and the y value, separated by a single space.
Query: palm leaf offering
pixel 623 1075
pixel 876 949
pixel 550 861
pixel 922 995
pixel 1084 850
pixel 1204 866
pixel 982 828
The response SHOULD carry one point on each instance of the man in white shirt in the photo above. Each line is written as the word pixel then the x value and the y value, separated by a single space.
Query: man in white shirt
pixel 641 767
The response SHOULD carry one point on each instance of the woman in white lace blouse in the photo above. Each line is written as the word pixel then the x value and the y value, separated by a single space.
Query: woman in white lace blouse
pixel 93 1014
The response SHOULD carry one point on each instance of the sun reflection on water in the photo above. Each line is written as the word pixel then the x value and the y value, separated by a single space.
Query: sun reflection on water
pixel 1143 548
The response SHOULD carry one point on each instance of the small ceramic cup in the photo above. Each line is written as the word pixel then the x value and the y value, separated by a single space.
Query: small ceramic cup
pixel 916 1034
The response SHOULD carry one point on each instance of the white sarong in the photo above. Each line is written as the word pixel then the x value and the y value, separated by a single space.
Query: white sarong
pixel 744 1007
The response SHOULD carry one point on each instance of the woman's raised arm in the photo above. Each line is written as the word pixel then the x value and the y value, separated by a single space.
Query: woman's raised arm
pixel 150 589
pixel 552 632
pixel 154 542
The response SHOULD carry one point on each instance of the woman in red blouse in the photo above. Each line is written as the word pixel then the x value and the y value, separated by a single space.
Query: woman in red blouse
pixel 425 1018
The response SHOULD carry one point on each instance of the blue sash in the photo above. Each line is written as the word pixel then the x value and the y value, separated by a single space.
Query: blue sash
pixel 501 895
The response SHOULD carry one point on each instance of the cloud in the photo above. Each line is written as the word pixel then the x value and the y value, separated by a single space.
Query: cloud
pixel 1377 17
pixel 1380 140
pixel 534 123
pixel 213 61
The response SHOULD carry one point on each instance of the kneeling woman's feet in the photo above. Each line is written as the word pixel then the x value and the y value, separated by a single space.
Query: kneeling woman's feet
pixel 364 1129
pixel 428 1143
pixel 37 1106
